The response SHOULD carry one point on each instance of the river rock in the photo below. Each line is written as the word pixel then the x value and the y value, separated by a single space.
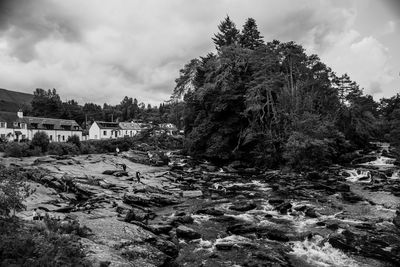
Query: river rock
pixel 192 193
pixel 284 207
pixel 210 211
pixel 243 206
pixel 184 219
pixel 396 220
pixel 351 197
pixel 187 233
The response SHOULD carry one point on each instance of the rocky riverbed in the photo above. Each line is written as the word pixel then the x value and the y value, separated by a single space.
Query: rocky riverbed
pixel 196 214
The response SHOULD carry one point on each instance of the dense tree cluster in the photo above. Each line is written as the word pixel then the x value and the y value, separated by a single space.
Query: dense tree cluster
pixel 270 103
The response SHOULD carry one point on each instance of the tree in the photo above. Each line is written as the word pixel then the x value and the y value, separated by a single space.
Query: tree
pixel 228 34
pixel 250 36
pixel 13 190
pixel 46 103
pixel 41 139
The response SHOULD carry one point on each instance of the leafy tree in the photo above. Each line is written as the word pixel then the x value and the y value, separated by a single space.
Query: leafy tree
pixel 228 34
pixel 46 103
pixel 13 190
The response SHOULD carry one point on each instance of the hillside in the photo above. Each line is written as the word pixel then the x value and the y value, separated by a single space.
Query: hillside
pixel 11 100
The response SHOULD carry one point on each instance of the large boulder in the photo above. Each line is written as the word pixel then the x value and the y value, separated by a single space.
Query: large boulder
pixel 187 233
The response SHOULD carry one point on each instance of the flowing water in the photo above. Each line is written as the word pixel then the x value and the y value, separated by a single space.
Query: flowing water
pixel 308 232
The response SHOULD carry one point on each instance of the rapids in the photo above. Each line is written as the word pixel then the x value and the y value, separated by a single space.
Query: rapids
pixel 343 219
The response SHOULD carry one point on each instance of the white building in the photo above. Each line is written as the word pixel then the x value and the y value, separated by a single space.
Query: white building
pixel 129 129
pixel 111 130
pixel 104 130
pixel 17 127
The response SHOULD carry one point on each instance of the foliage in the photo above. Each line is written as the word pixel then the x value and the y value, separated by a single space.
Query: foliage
pixel 15 149
pixel 13 190
pixel 74 139
pixel 251 100
pixel 60 149
pixel 41 139
pixel 24 244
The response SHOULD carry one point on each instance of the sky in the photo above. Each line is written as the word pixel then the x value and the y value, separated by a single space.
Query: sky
pixel 100 51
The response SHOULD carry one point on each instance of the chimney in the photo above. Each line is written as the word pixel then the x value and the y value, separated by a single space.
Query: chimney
pixel 20 114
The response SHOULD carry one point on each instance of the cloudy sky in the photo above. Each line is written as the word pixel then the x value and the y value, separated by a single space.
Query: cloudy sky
pixel 100 51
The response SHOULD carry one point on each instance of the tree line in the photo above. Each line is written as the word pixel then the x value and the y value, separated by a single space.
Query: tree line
pixel 47 103
pixel 270 103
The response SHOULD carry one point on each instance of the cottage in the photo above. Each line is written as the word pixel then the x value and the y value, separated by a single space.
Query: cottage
pixel 104 130
pixel 17 127
pixel 129 129
pixel 12 127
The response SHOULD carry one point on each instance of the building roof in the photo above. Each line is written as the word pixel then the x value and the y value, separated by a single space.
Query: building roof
pixel 58 124
pixel 130 126
pixel 39 123
pixel 107 125
pixel 8 117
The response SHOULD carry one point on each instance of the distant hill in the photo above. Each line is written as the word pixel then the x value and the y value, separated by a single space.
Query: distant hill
pixel 12 101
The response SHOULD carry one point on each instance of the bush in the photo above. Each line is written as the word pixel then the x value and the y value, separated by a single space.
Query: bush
pixel 24 244
pixel 74 139
pixel 61 149
pixel 14 149
pixel 87 148
pixel 41 139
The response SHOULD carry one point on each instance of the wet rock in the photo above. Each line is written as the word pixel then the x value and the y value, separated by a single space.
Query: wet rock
pixel 192 193
pixel 160 228
pixel 210 211
pixel 187 233
pixel 351 197
pixel 243 206
pixel 184 219
pixel 311 212
pixel 364 159
pixel 275 201
pixel 313 176
pixel 137 215
pixel 150 199
pixel 284 207
pixel 396 219
pixel 165 246
pixel 233 241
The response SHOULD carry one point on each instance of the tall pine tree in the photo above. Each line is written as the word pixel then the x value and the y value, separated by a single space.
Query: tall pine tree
pixel 228 34
pixel 250 36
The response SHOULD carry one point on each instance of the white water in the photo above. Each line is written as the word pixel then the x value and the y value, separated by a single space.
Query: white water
pixel 357 175
pixel 318 252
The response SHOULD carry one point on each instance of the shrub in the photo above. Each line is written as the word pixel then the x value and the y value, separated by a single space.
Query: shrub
pixel 14 149
pixel 87 148
pixel 74 139
pixel 61 149
pixel 41 139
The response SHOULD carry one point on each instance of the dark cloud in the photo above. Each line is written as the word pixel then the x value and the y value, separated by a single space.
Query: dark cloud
pixel 26 23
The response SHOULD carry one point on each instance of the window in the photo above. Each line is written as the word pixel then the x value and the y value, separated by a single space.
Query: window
pixel 51 138
pixel 2 125
pixel 63 138
pixel 104 132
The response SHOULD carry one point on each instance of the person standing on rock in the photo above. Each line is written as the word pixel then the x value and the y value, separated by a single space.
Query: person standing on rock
pixel 35 215
pixel 116 151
